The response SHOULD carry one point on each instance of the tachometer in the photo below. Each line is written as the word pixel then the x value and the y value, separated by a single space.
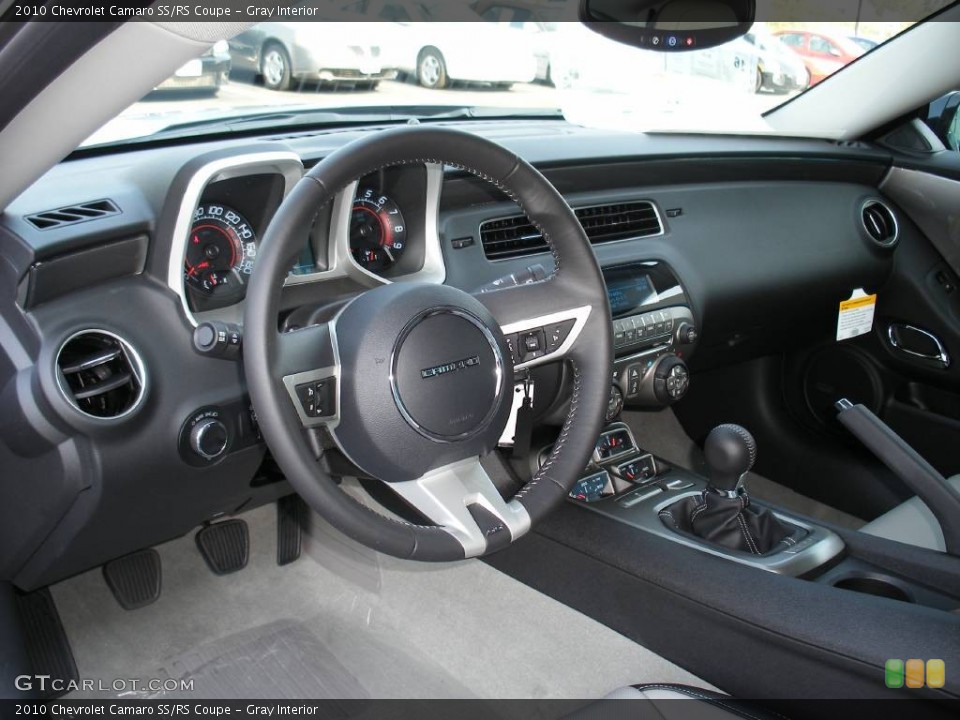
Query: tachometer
pixel 378 235
pixel 221 251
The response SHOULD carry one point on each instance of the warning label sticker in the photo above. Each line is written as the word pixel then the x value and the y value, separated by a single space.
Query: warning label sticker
pixel 856 315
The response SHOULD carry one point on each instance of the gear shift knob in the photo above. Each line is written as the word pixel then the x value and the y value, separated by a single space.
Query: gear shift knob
pixel 731 452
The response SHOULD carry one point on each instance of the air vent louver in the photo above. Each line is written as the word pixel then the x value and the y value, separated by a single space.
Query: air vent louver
pixel 73 214
pixel 100 374
pixel 880 223
pixel 516 236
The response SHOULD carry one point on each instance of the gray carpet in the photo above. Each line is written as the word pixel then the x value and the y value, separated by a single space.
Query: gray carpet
pixel 660 432
pixel 346 622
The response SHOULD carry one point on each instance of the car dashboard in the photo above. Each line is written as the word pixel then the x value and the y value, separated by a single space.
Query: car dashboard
pixel 714 250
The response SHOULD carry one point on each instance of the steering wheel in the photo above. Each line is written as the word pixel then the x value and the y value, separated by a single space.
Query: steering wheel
pixel 413 382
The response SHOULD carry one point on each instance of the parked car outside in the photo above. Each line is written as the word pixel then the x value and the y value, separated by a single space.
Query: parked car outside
pixel 207 72
pixel 288 54
pixel 537 20
pixel 823 53
pixel 436 44
pixel 779 69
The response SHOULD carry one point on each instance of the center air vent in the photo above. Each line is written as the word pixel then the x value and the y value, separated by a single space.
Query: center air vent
pixel 516 236
pixel 100 374
pixel 880 223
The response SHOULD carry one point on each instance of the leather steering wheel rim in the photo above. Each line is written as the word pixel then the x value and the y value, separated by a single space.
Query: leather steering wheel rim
pixel 577 286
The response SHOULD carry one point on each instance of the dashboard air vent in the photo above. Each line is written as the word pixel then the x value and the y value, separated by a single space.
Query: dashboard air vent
pixel 516 236
pixel 880 223
pixel 73 214
pixel 100 374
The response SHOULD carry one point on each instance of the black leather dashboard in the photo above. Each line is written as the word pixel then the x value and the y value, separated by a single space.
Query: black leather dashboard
pixel 764 235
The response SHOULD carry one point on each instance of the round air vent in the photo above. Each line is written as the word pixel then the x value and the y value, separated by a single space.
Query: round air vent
pixel 100 374
pixel 880 223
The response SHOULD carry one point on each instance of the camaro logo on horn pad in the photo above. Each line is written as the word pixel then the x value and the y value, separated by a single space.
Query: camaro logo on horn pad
pixel 438 370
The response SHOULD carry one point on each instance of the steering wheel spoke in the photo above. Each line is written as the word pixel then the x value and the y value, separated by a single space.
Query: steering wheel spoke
pixel 462 499
pixel 307 365
pixel 540 323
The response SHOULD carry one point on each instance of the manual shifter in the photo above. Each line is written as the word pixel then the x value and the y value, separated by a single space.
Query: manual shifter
pixel 731 452
pixel 722 514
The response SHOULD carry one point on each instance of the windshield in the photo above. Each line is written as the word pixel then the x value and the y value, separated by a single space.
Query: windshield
pixel 394 60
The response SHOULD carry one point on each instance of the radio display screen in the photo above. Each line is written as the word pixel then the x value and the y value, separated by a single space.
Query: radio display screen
pixel 628 290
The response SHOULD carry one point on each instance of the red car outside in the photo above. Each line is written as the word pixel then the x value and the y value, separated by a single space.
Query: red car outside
pixel 823 53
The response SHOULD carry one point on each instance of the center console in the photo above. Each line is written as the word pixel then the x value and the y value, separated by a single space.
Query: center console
pixel 629 485
pixel 653 330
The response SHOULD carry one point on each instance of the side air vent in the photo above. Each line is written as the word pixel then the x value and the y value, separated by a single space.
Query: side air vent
pixel 73 214
pixel 516 236
pixel 880 223
pixel 100 374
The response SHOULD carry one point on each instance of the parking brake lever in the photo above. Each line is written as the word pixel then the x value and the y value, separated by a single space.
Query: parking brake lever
pixel 921 477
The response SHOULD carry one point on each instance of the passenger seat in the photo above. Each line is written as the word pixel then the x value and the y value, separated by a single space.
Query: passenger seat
pixel 912 523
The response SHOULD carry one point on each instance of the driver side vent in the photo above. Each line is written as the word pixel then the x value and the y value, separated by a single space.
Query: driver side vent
pixel 100 374
pixel 73 214
pixel 516 236
pixel 880 223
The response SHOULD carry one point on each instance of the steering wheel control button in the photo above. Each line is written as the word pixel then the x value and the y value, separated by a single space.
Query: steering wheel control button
pixel 318 397
pixel 514 349
pixel 447 373
pixel 557 334
pixel 533 344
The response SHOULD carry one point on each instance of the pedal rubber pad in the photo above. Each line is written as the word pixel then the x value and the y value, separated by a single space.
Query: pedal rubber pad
pixel 47 646
pixel 225 546
pixel 289 512
pixel 134 579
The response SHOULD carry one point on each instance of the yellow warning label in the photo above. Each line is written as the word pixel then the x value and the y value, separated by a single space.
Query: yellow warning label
pixel 856 315
pixel 858 303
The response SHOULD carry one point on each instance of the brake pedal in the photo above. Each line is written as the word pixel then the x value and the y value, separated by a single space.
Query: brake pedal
pixel 289 512
pixel 134 579
pixel 225 546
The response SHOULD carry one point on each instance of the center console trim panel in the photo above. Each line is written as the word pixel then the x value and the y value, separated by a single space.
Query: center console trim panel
pixel 819 547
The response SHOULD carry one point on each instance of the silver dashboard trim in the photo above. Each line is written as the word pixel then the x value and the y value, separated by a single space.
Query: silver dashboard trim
pixel 340 261
pixel 285 163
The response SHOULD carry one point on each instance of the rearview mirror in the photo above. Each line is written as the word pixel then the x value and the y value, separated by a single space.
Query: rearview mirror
pixel 669 25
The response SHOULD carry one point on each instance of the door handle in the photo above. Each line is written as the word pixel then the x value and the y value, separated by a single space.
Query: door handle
pixel 917 342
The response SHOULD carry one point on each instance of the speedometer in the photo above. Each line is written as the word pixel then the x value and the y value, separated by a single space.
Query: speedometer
pixel 221 252
pixel 378 235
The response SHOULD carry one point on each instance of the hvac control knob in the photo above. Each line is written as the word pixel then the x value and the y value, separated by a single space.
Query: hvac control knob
pixel 209 438
pixel 687 334
pixel 671 379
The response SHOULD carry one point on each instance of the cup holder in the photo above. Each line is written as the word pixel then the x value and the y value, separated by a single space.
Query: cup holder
pixel 880 587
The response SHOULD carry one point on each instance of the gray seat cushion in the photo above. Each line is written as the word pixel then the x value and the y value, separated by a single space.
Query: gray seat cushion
pixel 912 523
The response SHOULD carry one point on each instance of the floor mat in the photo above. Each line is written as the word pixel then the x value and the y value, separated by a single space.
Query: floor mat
pixel 361 624
pixel 284 658
pixel 661 433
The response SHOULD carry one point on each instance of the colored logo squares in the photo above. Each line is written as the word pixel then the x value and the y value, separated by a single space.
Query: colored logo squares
pixel 915 673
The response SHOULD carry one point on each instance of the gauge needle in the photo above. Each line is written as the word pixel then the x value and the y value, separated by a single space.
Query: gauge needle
pixel 191 269
pixel 389 254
